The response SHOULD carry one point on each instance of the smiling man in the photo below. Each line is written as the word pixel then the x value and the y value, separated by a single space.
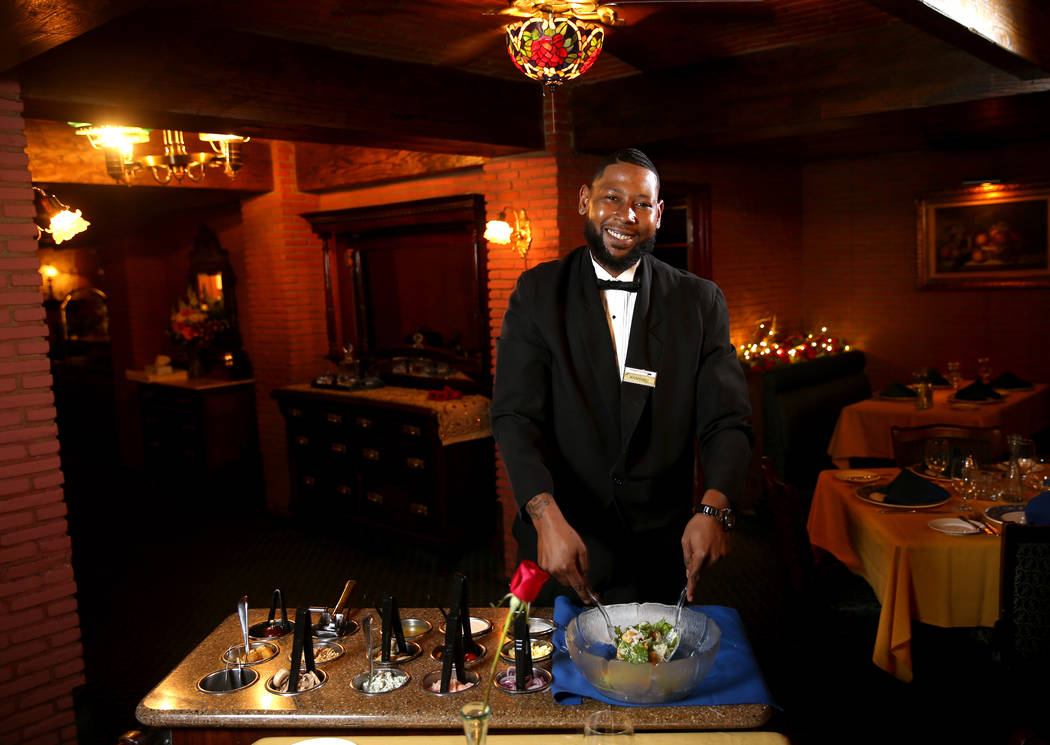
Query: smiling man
pixel 611 368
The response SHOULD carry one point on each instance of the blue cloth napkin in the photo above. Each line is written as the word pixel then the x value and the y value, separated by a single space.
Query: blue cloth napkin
pixel 734 678
pixel 1038 510
pixel 898 390
pixel 912 489
pixel 977 391
pixel 1009 381
pixel 935 377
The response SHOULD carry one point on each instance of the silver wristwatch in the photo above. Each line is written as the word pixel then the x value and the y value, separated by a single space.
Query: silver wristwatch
pixel 726 517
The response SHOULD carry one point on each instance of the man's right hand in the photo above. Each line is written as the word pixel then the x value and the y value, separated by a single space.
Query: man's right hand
pixel 560 550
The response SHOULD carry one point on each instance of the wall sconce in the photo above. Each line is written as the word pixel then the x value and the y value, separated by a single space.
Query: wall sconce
pixel 55 218
pixel 118 144
pixel 517 235
pixel 49 272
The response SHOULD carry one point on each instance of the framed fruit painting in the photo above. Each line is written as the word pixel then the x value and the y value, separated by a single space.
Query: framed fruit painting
pixel 989 235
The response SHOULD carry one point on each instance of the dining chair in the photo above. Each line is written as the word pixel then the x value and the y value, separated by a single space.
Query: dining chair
pixel 987 444
pixel 812 583
pixel 1022 633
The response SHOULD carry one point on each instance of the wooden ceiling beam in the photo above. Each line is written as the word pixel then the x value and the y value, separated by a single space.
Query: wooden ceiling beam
pixel 1013 35
pixel 786 92
pixel 215 80
pixel 31 27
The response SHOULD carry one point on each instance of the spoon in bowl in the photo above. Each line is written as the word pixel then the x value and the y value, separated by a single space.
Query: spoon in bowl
pixel 366 624
pixel 673 633
pixel 605 615
pixel 242 613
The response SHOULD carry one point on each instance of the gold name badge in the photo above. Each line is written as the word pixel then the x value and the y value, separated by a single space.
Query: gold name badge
pixel 639 377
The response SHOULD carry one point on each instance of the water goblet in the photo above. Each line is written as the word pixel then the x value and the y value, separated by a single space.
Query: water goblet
pixel 608 727
pixel 965 483
pixel 984 370
pixel 935 454
pixel 954 375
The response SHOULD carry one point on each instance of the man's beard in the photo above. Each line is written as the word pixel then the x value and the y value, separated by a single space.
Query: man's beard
pixel 614 265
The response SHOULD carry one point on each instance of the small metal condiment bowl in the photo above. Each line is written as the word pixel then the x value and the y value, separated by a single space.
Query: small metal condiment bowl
pixel 413 628
pixel 257 631
pixel 437 652
pixel 547 676
pixel 537 627
pixel 358 683
pixel 435 677
pixel 483 625
pixel 227 681
pixel 322 678
pixel 330 632
pixel 238 649
pixel 507 652
pixel 337 648
pixel 414 650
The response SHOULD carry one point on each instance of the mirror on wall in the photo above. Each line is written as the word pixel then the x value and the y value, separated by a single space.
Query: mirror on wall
pixel 211 277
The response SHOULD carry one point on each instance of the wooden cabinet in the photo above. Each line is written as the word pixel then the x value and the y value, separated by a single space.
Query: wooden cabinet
pixel 385 464
pixel 200 436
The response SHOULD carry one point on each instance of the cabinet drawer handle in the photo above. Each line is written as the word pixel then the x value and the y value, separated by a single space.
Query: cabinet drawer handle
pixel 363 422
pixel 338 447
pixel 334 418
pixel 418 509
pixel 344 489
pixel 370 454
pixel 295 412
pixel 415 464
pixel 411 430
pixel 302 441
pixel 375 497
pixel 308 480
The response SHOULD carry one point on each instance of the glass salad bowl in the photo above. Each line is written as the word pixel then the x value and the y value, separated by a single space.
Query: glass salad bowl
pixel 591 650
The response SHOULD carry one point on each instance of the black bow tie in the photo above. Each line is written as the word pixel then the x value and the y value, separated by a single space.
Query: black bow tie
pixel 615 284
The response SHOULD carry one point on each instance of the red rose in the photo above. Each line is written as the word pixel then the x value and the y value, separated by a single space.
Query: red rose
pixel 528 579
pixel 548 51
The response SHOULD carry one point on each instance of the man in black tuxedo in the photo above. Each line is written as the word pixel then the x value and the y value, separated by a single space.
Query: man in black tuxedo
pixel 602 394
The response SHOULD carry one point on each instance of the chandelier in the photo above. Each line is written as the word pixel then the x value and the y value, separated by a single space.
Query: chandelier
pixel 559 40
pixel 174 162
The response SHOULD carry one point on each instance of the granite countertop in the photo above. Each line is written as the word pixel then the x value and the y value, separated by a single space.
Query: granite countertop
pixel 177 702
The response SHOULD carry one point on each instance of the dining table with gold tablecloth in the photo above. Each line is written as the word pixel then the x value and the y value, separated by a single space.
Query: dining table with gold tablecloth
pixel 916 572
pixel 863 429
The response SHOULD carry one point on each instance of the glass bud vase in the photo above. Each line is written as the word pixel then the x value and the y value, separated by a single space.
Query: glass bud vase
pixel 475 717
pixel 194 362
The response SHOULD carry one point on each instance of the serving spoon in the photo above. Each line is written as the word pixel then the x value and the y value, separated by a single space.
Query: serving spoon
pixel 673 633
pixel 242 613
pixel 605 615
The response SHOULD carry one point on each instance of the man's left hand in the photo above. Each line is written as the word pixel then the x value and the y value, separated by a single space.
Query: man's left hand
pixel 703 542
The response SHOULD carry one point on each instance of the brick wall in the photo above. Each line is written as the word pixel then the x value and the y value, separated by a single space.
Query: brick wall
pixel 859 268
pixel 281 294
pixel 40 655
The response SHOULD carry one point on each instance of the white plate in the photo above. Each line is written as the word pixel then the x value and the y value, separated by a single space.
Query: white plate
pixel 986 402
pixel 953 526
pixel 873 495
pixel 1005 513
pixel 1005 466
pixel 855 476
pixel 920 470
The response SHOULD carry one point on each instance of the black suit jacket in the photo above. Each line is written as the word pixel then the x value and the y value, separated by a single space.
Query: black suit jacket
pixel 566 424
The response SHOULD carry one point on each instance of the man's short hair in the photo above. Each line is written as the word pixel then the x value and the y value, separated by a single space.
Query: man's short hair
pixel 630 155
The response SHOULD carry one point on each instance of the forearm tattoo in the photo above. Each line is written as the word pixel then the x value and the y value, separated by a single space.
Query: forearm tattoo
pixel 537 506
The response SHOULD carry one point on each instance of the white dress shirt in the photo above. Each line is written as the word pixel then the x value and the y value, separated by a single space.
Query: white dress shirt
pixel 619 310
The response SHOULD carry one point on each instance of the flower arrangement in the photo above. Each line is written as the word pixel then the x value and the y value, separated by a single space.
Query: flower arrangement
pixel 194 323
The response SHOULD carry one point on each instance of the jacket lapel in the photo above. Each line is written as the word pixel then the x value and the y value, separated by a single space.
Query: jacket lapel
pixel 644 351
pixel 587 322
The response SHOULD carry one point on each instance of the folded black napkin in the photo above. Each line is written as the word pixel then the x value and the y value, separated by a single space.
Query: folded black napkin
pixel 912 489
pixel 1008 381
pixel 935 377
pixel 977 391
pixel 898 390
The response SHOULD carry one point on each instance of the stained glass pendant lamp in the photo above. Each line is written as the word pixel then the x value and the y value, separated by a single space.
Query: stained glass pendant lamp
pixel 552 48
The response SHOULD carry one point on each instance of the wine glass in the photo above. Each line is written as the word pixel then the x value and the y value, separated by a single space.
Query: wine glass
pixel 954 374
pixel 608 727
pixel 965 482
pixel 984 370
pixel 935 454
